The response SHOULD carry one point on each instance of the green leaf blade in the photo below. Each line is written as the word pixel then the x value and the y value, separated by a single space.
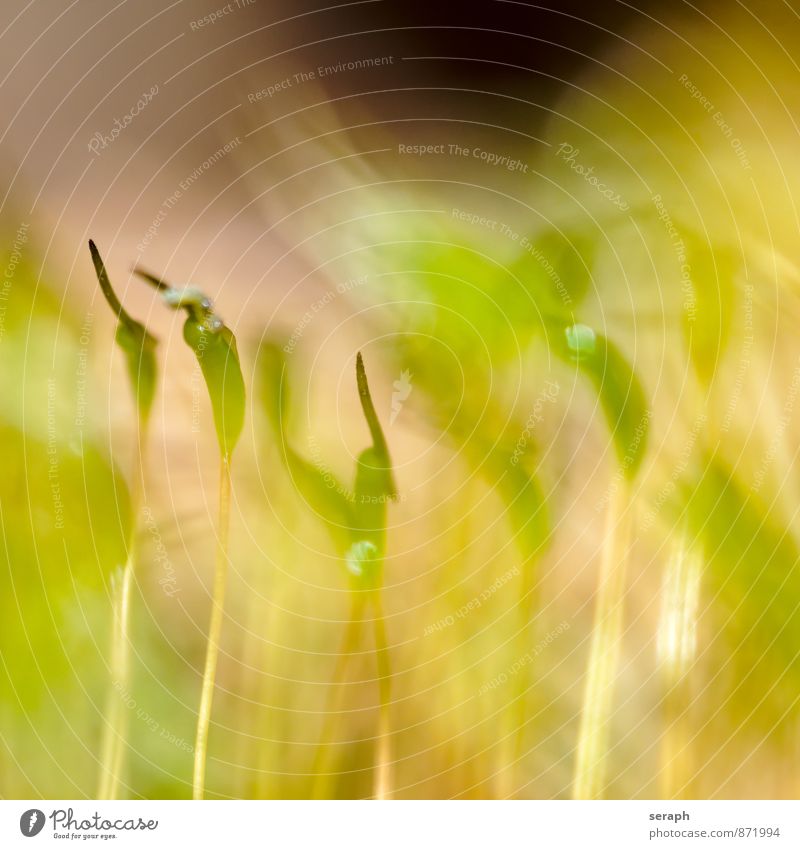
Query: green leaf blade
pixel 215 349
pixel 218 357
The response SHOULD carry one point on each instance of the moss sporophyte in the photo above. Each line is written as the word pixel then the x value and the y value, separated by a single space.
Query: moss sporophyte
pixel 139 348
pixel 624 405
pixel 357 525
pixel 374 487
pixel 214 346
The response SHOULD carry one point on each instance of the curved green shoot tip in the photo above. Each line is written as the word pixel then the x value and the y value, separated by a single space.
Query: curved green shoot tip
pixel 375 460
pixel 214 346
pixel 374 487
pixel 137 344
pixel 196 303
pixel 152 280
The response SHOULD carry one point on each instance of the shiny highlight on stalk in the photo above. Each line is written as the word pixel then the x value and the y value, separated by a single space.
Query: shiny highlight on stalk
pixel 676 649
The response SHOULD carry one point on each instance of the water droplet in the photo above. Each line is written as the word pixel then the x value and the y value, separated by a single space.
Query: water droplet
pixel 359 556
pixel 581 340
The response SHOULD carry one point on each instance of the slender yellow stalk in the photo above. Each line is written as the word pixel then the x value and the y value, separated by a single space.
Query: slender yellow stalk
pixel 382 786
pixel 115 730
pixel 589 779
pixel 676 649
pixel 123 677
pixel 522 682
pixel 115 727
pixel 795 770
pixel 214 630
pixel 322 760
pixel 509 752
pixel 383 751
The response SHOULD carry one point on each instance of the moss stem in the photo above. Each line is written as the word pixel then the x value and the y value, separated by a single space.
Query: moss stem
pixel 214 630
pixel 350 639
pixel 515 719
pixel 589 779
pixel 676 650
pixel 383 758
pixel 116 726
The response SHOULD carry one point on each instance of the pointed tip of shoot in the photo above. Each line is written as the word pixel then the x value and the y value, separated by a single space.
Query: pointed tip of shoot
pixel 367 406
pixel 137 344
pixel 380 449
pixel 154 281
pixel 105 284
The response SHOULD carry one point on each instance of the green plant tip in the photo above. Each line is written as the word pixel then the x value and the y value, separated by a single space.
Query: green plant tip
pixel 581 340
pixel 136 343
pixel 378 460
pixel 187 297
pixel 196 303
pixel 214 346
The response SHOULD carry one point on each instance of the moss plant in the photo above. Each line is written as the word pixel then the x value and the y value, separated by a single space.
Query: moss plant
pixel 214 346
pixel 623 402
pixel 601 673
pixel 707 333
pixel 139 349
pixel 357 524
pixel 524 493
pixel 374 488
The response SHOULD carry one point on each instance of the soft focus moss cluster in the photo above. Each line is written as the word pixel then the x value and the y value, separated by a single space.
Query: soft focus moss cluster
pixel 469 528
